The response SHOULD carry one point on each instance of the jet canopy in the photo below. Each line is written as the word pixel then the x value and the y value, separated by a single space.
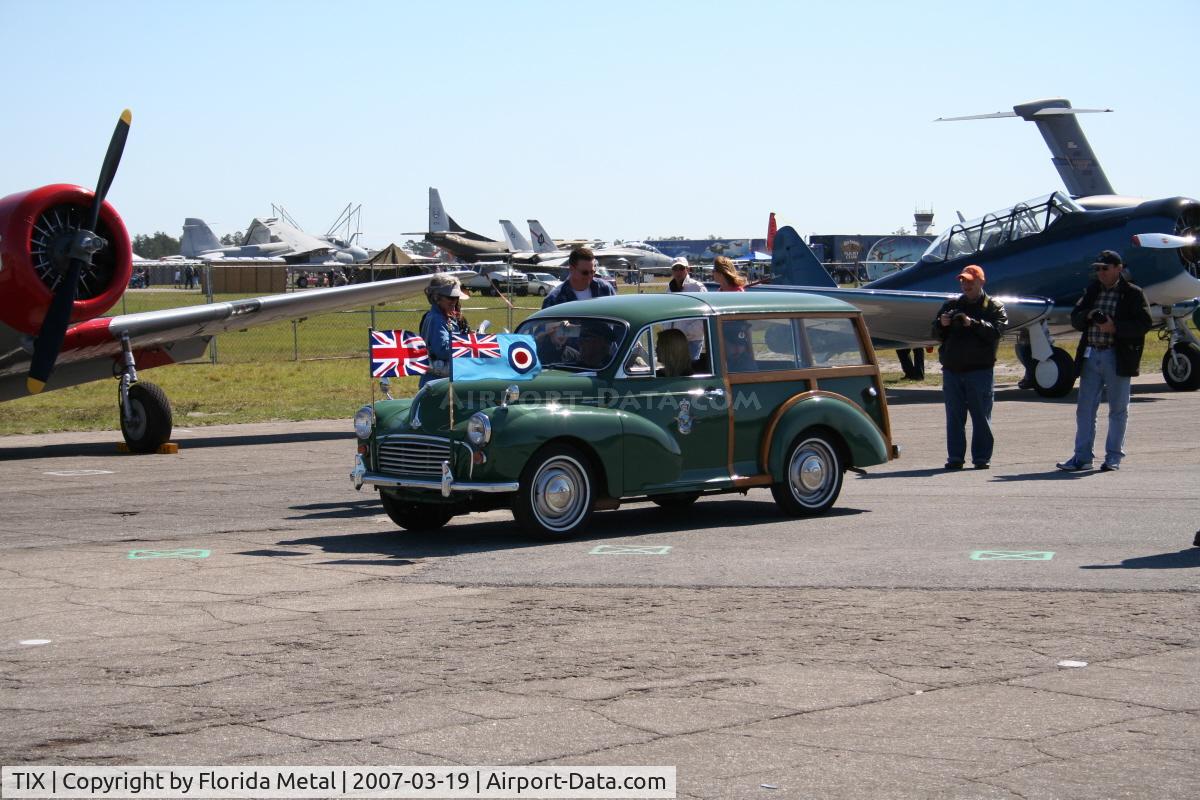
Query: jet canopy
pixel 1000 227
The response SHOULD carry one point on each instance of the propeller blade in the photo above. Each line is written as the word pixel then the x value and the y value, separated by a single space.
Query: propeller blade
pixel 58 316
pixel 1163 241
pixel 108 170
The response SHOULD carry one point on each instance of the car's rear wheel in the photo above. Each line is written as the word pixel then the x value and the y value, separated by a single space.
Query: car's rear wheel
pixel 556 493
pixel 812 477
pixel 415 516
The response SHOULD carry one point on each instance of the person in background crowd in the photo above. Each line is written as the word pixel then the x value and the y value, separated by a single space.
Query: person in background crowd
pixel 725 274
pixel 581 283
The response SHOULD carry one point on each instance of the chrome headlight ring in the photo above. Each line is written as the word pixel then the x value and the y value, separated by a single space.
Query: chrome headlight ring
pixel 479 429
pixel 364 422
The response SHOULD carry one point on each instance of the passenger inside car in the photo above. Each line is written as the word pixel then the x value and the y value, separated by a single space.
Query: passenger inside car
pixel 739 355
pixel 673 354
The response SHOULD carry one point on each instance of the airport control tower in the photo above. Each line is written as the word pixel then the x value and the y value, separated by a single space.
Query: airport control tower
pixel 923 220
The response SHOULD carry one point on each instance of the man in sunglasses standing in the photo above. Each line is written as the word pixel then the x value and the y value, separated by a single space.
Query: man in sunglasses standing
pixel 969 329
pixel 1114 317
pixel 581 283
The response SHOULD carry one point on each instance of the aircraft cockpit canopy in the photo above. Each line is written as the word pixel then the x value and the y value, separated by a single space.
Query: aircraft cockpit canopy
pixel 1000 227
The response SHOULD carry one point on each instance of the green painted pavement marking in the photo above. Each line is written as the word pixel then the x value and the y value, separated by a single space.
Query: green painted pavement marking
pixel 629 550
pixel 1011 555
pixel 180 553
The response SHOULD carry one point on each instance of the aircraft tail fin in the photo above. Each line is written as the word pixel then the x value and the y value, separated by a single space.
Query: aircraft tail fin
pixel 1070 152
pixel 542 243
pixel 794 264
pixel 197 239
pixel 438 221
pixel 516 242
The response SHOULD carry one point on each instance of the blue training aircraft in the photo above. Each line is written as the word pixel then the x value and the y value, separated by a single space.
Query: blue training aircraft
pixel 1037 256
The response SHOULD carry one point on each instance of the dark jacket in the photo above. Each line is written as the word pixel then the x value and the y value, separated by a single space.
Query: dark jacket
pixel 964 348
pixel 565 294
pixel 1132 319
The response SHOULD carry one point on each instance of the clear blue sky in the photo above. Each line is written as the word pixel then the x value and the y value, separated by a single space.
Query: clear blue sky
pixel 610 119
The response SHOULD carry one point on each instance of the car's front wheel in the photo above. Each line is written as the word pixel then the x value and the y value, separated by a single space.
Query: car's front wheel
pixel 415 516
pixel 812 477
pixel 556 493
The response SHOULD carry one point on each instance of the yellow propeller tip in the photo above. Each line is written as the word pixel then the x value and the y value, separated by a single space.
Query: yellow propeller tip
pixel 126 116
pixel 34 385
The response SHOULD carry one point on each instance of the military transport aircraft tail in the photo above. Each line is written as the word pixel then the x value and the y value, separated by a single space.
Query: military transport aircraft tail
pixel 516 242
pixel 198 239
pixel 1070 152
pixel 441 222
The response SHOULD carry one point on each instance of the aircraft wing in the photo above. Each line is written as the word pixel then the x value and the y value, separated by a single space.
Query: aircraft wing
pixel 905 319
pixel 92 349
pixel 299 241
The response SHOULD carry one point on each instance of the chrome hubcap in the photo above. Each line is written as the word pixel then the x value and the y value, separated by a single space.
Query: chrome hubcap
pixel 811 472
pixel 560 493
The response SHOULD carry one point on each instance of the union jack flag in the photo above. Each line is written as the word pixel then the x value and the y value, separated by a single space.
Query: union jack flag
pixel 396 353
pixel 473 345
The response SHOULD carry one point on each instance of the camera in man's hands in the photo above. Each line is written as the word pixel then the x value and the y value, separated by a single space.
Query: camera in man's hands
pixel 1098 317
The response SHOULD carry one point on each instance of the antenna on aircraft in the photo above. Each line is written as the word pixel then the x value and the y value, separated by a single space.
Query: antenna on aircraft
pixel 280 212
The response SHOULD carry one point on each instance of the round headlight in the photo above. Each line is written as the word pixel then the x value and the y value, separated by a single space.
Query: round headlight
pixel 364 422
pixel 479 429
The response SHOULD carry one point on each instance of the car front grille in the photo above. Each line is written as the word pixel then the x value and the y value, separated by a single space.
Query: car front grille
pixel 413 455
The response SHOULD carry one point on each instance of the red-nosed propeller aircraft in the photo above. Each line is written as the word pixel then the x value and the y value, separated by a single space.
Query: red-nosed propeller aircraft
pixel 65 260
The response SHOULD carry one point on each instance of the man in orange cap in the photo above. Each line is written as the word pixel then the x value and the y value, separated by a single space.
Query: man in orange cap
pixel 969 329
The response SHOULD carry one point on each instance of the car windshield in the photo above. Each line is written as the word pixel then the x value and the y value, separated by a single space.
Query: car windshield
pixel 575 343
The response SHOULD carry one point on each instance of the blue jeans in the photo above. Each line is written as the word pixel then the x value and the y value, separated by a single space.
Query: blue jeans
pixel 968 392
pixel 1099 374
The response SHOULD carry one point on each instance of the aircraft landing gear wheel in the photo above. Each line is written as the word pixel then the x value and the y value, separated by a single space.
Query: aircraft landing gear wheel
pixel 415 516
pixel 1181 367
pixel 675 502
pixel 1055 376
pixel 812 477
pixel 556 493
pixel 150 422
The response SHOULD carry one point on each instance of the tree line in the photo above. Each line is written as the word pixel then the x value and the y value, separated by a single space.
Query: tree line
pixel 160 245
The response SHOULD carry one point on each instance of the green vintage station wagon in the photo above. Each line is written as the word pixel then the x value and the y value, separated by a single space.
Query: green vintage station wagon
pixel 662 397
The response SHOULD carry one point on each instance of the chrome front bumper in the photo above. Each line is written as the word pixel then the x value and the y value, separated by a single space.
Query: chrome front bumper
pixel 447 485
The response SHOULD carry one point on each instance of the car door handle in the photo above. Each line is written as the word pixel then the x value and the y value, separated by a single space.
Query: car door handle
pixel 715 392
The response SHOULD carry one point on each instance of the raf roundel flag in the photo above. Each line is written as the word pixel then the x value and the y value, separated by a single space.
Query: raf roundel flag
pixel 505 356
pixel 396 353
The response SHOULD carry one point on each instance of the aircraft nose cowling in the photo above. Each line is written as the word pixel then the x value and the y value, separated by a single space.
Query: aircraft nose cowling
pixel 34 226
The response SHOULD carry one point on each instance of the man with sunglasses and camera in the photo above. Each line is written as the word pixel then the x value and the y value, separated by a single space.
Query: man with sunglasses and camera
pixel 581 283
pixel 1114 317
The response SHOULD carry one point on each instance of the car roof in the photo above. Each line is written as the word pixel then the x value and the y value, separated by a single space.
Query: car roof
pixel 642 309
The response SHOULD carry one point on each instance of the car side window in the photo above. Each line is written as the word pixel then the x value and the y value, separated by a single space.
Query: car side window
pixel 775 344
pixel 695 334
pixel 637 365
pixel 834 342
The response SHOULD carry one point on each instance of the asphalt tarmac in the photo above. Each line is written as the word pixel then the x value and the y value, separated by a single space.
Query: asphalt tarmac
pixel 240 603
